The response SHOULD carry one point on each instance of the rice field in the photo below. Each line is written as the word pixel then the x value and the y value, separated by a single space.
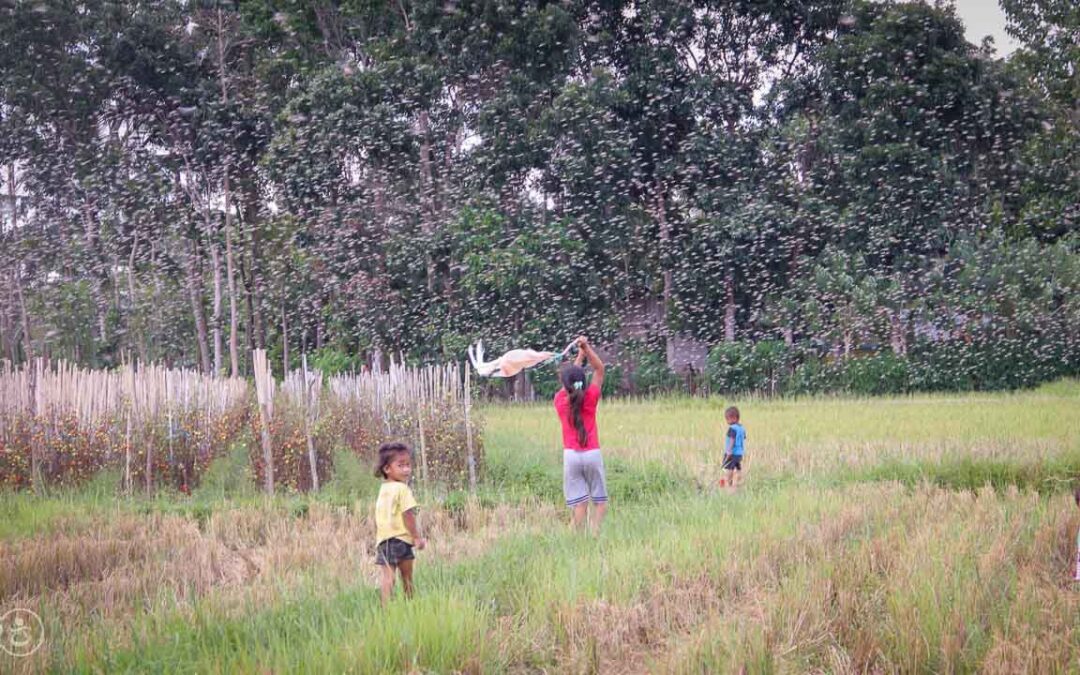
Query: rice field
pixel 915 534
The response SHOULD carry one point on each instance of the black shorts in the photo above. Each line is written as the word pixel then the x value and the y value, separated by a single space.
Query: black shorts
pixel 392 551
pixel 733 463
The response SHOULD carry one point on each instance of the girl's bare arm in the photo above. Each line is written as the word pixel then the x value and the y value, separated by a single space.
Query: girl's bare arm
pixel 410 524
pixel 594 360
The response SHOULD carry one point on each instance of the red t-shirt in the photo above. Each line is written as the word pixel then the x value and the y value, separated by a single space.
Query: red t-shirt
pixel 588 416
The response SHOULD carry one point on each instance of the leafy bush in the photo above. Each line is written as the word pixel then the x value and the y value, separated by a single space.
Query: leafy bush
pixel 743 367
pixel 652 375
pixel 330 361
pixel 545 381
pixel 813 376
pixel 884 373
pixel 726 366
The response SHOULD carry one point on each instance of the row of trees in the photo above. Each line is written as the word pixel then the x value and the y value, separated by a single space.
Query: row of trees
pixel 188 181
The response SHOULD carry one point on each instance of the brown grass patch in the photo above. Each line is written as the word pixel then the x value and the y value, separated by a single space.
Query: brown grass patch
pixel 112 574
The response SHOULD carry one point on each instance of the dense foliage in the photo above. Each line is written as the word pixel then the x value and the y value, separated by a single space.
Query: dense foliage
pixel 828 194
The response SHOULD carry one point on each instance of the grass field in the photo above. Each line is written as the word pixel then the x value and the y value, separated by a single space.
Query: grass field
pixel 922 534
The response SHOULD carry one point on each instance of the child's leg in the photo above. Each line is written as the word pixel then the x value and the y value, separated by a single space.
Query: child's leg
pixel 736 480
pixel 575 488
pixel 387 582
pixel 596 479
pixel 406 576
pixel 599 510
pixel 730 473
pixel 579 513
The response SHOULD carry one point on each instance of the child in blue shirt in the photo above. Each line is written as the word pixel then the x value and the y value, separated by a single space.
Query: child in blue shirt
pixel 734 447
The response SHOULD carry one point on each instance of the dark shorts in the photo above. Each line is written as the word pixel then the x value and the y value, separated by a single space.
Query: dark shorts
pixel 733 463
pixel 392 551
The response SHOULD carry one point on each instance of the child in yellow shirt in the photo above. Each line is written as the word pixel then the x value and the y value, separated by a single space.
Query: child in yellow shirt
pixel 396 531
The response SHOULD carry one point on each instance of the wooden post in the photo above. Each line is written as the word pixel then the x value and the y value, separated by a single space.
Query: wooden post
pixel 36 376
pixel 127 444
pixel 423 445
pixel 264 391
pixel 311 412
pixel 468 430
pixel 150 449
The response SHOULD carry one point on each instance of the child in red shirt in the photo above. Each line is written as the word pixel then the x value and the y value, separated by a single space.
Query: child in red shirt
pixel 583 465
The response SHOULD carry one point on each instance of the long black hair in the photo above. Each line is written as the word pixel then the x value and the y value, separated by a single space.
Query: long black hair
pixel 573 380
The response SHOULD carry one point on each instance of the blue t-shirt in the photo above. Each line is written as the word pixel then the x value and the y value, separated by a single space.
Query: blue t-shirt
pixel 737 434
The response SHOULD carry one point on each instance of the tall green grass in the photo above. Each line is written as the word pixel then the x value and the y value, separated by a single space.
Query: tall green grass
pixel 818 438
pixel 864 540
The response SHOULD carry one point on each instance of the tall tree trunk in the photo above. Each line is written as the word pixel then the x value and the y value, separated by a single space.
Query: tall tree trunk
pixel 28 348
pixel 257 287
pixel 9 323
pixel 159 292
pixel 234 348
pixel 24 316
pixel 194 285
pixel 427 195
pixel 897 333
pixel 257 296
pixel 284 333
pixel 136 317
pixel 5 340
pixel 665 244
pixel 246 283
pixel 227 194
pixel 793 275
pixel 660 213
pixel 729 306
pixel 215 325
pixel 93 250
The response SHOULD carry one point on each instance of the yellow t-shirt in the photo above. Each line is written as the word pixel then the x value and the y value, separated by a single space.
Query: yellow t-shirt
pixel 394 500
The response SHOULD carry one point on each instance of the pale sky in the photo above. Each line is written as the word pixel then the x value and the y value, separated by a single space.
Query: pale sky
pixel 984 17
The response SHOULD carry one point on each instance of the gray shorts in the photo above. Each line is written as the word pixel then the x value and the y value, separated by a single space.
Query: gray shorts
pixel 583 477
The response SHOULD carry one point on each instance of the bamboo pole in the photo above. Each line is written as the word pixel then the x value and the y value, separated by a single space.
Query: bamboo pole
pixel 311 393
pixel 468 431
pixel 423 445
pixel 264 387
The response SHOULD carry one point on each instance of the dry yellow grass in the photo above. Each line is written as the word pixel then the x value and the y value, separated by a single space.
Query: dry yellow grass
pixel 950 580
pixel 113 574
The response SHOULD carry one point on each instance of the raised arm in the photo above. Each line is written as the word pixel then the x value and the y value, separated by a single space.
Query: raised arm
pixel 585 349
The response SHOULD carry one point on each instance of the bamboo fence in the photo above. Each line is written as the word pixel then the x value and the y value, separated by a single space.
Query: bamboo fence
pixel 309 415
pixel 59 423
